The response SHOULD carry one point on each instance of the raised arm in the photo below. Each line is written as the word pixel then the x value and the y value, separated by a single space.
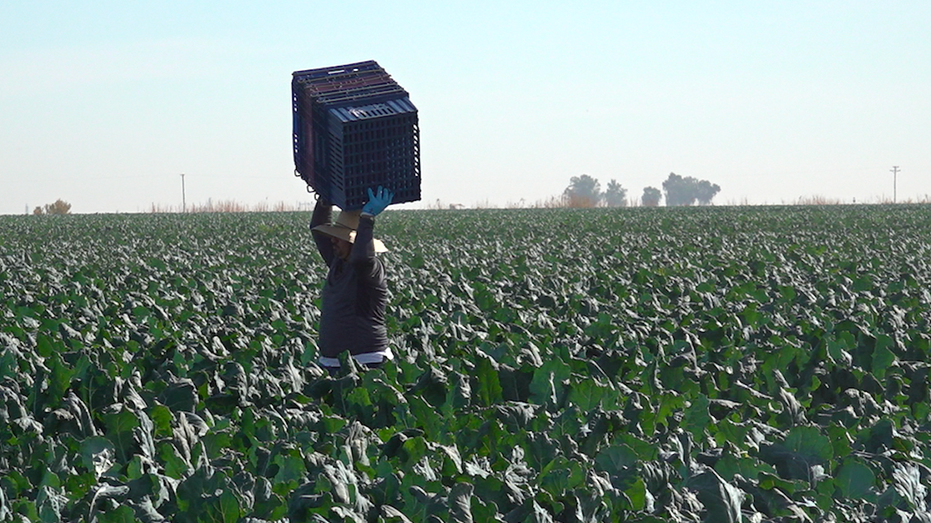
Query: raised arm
pixel 363 248
pixel 323 214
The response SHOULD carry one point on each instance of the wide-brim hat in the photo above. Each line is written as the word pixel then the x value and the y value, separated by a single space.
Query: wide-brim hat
pixel 345 229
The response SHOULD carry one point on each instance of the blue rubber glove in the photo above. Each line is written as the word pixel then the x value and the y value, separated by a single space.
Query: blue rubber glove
pixel 378 201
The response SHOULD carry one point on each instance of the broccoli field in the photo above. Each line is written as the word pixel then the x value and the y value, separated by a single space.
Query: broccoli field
pixel 719 364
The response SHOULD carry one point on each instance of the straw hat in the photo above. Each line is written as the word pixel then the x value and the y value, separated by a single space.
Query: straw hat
pixel 345 229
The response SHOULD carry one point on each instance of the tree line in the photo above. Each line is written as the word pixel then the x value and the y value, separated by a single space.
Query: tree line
pixel 585 191
pixel 59 207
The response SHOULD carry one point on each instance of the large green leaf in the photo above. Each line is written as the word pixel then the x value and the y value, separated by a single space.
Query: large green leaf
pixel 120 423
pixel 547 386
pixel 883 357
pixel 587 394
pixel 855 480
pixel 615 458
pixel 122 514
pixel 98 454
pixel 908 484
pixel 488 388
pixel 561 475
pixel 696 418
pixel 721 500
pixel 460 503
pixel 809 441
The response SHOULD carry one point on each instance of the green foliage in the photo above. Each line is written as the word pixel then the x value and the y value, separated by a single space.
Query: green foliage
pixel 694 364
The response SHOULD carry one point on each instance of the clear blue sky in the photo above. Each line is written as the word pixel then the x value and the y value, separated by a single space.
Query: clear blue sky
pixel 105 103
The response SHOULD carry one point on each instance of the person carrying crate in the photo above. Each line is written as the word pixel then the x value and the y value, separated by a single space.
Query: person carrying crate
pixel 355 293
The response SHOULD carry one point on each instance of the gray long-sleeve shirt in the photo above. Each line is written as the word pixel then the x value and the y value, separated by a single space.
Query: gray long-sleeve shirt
pixel 355 293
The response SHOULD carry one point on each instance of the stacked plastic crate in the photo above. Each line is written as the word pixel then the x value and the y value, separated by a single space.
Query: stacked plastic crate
pixel 355 128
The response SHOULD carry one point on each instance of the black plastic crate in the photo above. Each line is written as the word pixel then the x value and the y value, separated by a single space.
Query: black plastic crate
pixel 355 128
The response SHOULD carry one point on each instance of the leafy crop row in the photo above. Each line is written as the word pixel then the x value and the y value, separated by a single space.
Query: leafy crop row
pixel 713 364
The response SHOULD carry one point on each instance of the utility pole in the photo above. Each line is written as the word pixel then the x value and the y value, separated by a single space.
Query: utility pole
pixel 895 173
pixel 183 197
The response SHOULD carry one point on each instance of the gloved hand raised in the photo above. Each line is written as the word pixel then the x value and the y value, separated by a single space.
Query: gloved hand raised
pixel 377 201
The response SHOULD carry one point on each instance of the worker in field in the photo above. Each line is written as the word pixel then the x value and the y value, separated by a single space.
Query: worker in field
pixel 355 293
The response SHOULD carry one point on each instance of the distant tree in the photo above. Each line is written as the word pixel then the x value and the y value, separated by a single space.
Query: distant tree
pixel 651 197
pixel 706 192
pixel 615 195
pixel 59 207
pixel 678 191
pixel 583 191
pixel 688 190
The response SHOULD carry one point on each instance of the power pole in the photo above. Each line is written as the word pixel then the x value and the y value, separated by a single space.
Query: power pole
pixel 183 197
pixel 895 173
